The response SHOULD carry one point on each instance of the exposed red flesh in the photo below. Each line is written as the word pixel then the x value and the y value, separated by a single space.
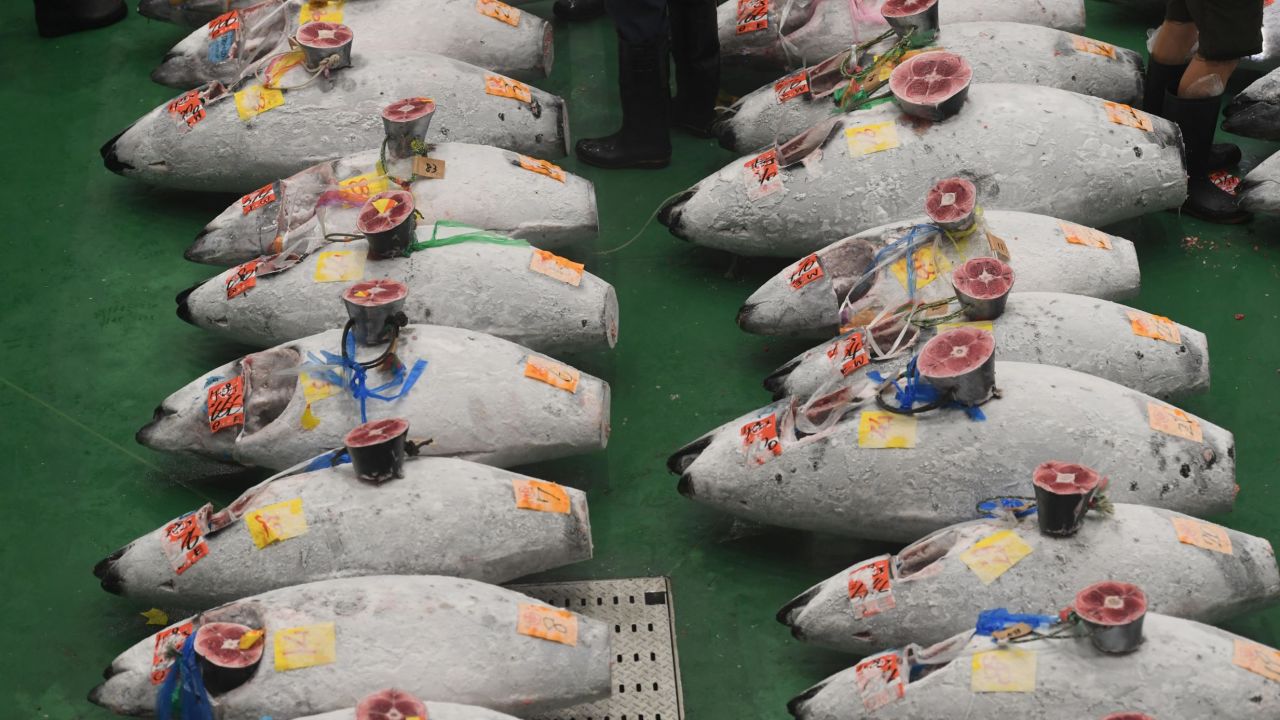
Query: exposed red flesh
pixel 950 200
pixel 324 35
pixel 1063 478
pixel 371 220
pixel 376 432
pixel 905 8
pixel 408 109
pixel 391 704
pixel 219 643
pixel 1111 603
pixel 956 352
pixel 983 278
pixel 374 293
pixel 930 78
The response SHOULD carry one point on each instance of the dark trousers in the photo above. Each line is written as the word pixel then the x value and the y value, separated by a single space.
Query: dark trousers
pixel 639 21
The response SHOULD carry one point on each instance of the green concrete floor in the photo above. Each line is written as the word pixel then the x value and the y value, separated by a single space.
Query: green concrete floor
pixel 89 344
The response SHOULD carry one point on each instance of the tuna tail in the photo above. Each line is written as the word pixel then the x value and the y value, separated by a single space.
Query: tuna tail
pixel 776 382
pixel 111 159
pixel 105 571
pixel 671 211
pixel 797 703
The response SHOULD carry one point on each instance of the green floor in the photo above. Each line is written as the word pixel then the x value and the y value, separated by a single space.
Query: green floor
pixel 89 344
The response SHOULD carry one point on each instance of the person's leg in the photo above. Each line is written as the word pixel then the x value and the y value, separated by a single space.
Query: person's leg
pixel 1170 50
pixel 60 17
pixel 695 47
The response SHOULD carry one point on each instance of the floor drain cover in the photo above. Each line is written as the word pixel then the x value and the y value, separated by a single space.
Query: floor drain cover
pixel 646 668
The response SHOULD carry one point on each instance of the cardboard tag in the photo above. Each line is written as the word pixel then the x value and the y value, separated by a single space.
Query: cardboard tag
pixel 993 555
pixel 1087 236
pixel 554 266
pixel 188 107
pixel 760 439
pixel 264 195
pixel 184 544
pixel 542 167
pixel 256 99
pixel 499 11
pixel 1225 181
pixel 501 86
pixel 321 11
pixel 168 643
pixel 276 522
pixel 872 137
pixel 552 373
pixel 1202 534
pixel 1095 47
pixel 792 86
pixel 1007 669
pixel 1121 114
pixel 1258 659
pixel 548 623
pixel 243 279
pixel 1156 327
pixel 980 324
pixel 305 646
pixel 871 588
pixel 753 15
pixel 226 404
pixel 927 267
pixel 1172 421
pixel 997 246
pixel 356 190
pixel 849 353
pixel 877 429
pixel 880 680
pixel 340 266
pixel 428 167
pixel 280 65
pixel 541 496
pixel 761 175
pixel 315 387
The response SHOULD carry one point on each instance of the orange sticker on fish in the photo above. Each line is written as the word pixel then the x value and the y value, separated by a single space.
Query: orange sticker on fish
pixel 871 588
pixel 189 107
pixel 761 175
pixel 499 11
pixel 243 279
pixel 224 24
pixel 1172 421
pixel 541 496
pixel 168 643
pixel 264 195
pixel 1122 114
pixel 849 353
pixel 753 15
pixel 502 86
pixel 792 86
pixel 1257 659
pixel 1094 47
pixel 226 404
pixel 184 543
pixel 548 623
pixel 542 167
pixel 761 434
pixel 1202 534
pixel 1156 327
pixel 1087 236
pixel 554 266
pixel 552 373
pixel 805 272
pixel 880 680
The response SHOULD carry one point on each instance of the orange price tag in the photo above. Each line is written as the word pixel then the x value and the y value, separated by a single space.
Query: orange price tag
pixel 1258 659
pixel 1096 47
pixel 499 11
pixel 243 278
pixel 880 680
pixel 1202 534
pixel 501 86
pixel 1172 421
pixel 224 24
pixel 541 496
pixel 168 642
pixel 226 404
pixel 184 543
pixel 850 353
pixel 1087 236
pixel 1121 114
pixel 760 438
pixel 1156 327
pixel 870 587
pixel 761 174
pixel 753 15
pixel 542 167
pixel 264 195
pixel 189 107
pixel 552 373
pixel 805 272
pixel 554 266
pixel 792 86
pixel 548 623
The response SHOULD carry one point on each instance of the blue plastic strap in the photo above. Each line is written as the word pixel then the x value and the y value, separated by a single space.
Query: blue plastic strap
pixel 330 459
pixel 1021 508
pixel 355 377
pixel 989 621
pixel 193 700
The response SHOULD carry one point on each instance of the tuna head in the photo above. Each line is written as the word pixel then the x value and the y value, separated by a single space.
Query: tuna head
pixel 721 444
pixel 1255 112
pixel 199 57
pixel 144 150
pixel 804 299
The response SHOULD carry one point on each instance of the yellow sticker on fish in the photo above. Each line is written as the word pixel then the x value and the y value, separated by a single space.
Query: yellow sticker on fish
pixel 305 646
pixel 280 65
pixel 1172 421
pixel 927 265
pixel 276 522
pixel 872 137
pixel 356 190
pixel 309 420
pixel 991 556
pixel 552 373
pixel 1004 670
pixel 541 496
pixel 878 429
pixel 321 11
pixel 339 266
pixel 316 388
pixel 256 99
pixel 979 324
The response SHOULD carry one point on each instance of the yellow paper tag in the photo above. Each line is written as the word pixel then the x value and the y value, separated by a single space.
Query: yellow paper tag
pixel 542 167
pixel 356 190
pixel 1004 670
pixel 501 86
pixel 250 639
pixel 499 11
pixel 256 99
pixel 282 64
pixel 305 646
pixel 552 265
pixel 276 522
pixel 156 616
pixel 980 324
pixel 991 556
pixel 1121 114
pixel 1156 327
pixel 552 373
pixel 1096 47
pixel 872 137
pixel 928 265
pixel 1172 421
pixel 548 623
pixel 340 265
pixel 429 168
pixel 1087 236
pixel 878 429
pixel 321 11
pixel 1202 534
pixel 1258 659
pixel 309 420
pixel 316 388
pixel 541 496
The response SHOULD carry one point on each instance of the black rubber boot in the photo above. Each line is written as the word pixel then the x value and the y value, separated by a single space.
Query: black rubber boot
pixel 644 140
pixel 1198 119
pixel 575 10
pixel 695 48
pixel 63 17
pixel 1162 80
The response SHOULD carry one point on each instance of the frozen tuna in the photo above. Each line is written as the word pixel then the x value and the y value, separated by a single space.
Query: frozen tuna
pixel 466 394
pixel 329 644
pixel 1019 144
pixel 776 35
pixel 1260 190
pixel 1218 674
pixel 999 52
pixel 841 464
pixel 199 12
pixel 237 138
pixel 379 707
pixel 1146 352
pixel 443 517
pixel 507 41
pixel 1255 111
pixel 935 587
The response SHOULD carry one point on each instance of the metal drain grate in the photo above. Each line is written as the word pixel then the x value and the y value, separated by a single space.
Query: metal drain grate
pixel 646 668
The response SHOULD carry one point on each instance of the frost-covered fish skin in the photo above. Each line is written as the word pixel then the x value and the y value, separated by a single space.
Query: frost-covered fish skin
pixel 327 119
pixel 1260 190
pixel 198 12
pixel 473 401
pixel 1028 148
pixel 435 711
pixel 831 481
pixel 444 517
pixel 999 52
pixel 453 28
pixel 1183 669
pixel 1255 111
pixel 815 29
pixel 936 595
pixel 1072 331
pixel 482 186
pixel 445 638
pixel 474 285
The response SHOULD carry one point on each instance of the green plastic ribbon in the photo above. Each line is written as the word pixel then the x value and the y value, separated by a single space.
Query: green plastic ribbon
pixel 476 235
